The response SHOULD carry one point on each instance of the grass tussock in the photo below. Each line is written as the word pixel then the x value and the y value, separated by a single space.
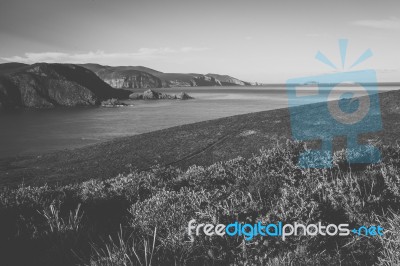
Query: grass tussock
pixel 141 218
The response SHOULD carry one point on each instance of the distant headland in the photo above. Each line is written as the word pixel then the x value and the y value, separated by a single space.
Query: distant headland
pixel 44 85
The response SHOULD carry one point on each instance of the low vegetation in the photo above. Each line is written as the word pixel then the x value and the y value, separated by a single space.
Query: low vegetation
pixel 141 218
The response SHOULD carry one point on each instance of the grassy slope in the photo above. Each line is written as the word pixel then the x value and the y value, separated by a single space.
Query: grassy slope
pixel 47 85
pixel 96 67
pixel 121 221
pixel 8 68
pixel 200 143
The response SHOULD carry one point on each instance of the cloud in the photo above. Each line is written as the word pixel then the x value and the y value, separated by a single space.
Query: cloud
pixel 391 23
pixel 153 51
pixel 141 54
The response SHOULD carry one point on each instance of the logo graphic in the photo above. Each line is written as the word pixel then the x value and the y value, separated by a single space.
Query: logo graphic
pixel 333 105
pixel 249 231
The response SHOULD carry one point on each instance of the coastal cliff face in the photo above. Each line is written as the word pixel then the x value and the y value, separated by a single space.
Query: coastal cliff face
pixel 131 77
pixel 191 80
pixel 125 77
pixel 50 85
pixel 132 81
pixel 228 80
pixel 206 81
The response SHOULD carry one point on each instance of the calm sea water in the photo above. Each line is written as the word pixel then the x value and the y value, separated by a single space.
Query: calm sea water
pixel 38 131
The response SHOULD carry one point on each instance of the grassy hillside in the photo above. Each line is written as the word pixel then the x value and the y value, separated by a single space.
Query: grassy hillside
pixel 143 216
pixel 8 68
pixel 45 85
pixel 97 67
pixel 127 77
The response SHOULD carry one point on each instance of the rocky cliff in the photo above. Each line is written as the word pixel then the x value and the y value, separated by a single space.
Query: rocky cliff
pixel 154 95
pixel 228 80
pixel 125 77
pixel 49 85
pixel 131 77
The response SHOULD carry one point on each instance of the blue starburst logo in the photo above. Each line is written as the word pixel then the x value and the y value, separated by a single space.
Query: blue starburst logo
pixel 335 105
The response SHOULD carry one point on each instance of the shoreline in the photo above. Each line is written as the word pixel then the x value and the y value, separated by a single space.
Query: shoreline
pixel 85 140
pixel 201 143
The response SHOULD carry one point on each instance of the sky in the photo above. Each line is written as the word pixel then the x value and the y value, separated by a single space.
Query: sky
pixel 254 40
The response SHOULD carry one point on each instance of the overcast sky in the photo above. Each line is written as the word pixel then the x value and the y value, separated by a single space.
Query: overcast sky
pixel 266 41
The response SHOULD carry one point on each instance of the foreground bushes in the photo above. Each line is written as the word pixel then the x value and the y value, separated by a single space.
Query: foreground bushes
pixel 141 218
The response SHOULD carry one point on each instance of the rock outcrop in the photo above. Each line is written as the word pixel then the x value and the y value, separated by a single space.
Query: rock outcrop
pixel 183 96
pixel 113 103
pixel 49 85
pixel 153 95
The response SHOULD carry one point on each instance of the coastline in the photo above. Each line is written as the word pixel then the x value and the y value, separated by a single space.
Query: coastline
pixel 201 143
